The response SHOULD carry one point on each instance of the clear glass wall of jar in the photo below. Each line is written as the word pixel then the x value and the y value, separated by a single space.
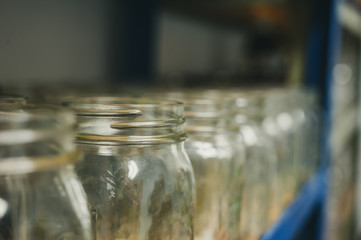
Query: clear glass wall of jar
pixel 218 166
pixel 254 160
pixel 137 176
pixel 307 130
pixel 288 111
pixel 40 195
pixel 261 201
pixel 278 124
pixel 313 132
pixel 258 210
pixel 217 161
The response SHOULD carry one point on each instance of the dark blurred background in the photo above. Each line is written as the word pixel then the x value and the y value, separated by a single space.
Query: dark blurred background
pixel 152 41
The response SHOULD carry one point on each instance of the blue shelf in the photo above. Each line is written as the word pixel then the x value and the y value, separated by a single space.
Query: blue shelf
pixel 301 211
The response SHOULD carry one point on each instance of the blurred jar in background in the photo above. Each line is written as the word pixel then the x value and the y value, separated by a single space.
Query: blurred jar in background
pixel 303 133
pixel 254 174
pixel 293 123
pixel 278 124
pixel 218 167
pixel 313 132
pixel 298 132
pixel 299 122
pixel 137 176
pixel 11 101
pixel 40 195
pixel 259 207
pixel 261 201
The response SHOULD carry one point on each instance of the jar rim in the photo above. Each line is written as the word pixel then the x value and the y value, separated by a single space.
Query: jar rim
pixel 27 123
pixel 200 105
pixel 204 113
pixel 9 98
pixel 37 137
pixel 124 120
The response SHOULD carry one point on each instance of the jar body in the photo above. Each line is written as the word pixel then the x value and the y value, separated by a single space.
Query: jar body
pixel 260 182
pixel 218 173
pixel 283 152
pixel 312 140
pixel 138 191
pixel 43 205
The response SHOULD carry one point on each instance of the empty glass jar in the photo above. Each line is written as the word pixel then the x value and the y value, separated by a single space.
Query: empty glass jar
pixel 137 176
pixel 217 162
pixel 313 132
pixel 258 184
pixel 286 111
pixel 41 197
pixel 218 168
pixel 260 164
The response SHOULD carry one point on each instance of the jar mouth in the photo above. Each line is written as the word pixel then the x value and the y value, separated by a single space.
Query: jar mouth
pixel 32 123
pixel 113 120
pixel 8 100
pixel 206 115
pixel 201 105
pixel 207 108
pixel 35 137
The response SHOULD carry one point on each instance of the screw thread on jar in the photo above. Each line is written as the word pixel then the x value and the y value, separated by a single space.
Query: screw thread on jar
pixel 114 120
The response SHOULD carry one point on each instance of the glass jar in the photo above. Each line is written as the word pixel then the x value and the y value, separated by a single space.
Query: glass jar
pixel 40 195
pixel 258 210
pixel 302 154
pixel 137 176
pixel 307 130
pixel 260 193
pixel 218 167
pixel 313 132
pixel 278 124
pixel 299 133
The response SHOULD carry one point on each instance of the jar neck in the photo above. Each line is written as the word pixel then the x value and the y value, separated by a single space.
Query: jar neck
pixel 127 130
pixel 204 127
pixel 124 121
pixel 125 149
pixel 250 109
pixel 209 116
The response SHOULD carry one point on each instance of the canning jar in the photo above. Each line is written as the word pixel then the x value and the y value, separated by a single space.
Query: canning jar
pixel 279 126
pixel 137 176
pixel 218 167
pixel 260 191
pixel 260 168
pixel 313 132
pixel 41 197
